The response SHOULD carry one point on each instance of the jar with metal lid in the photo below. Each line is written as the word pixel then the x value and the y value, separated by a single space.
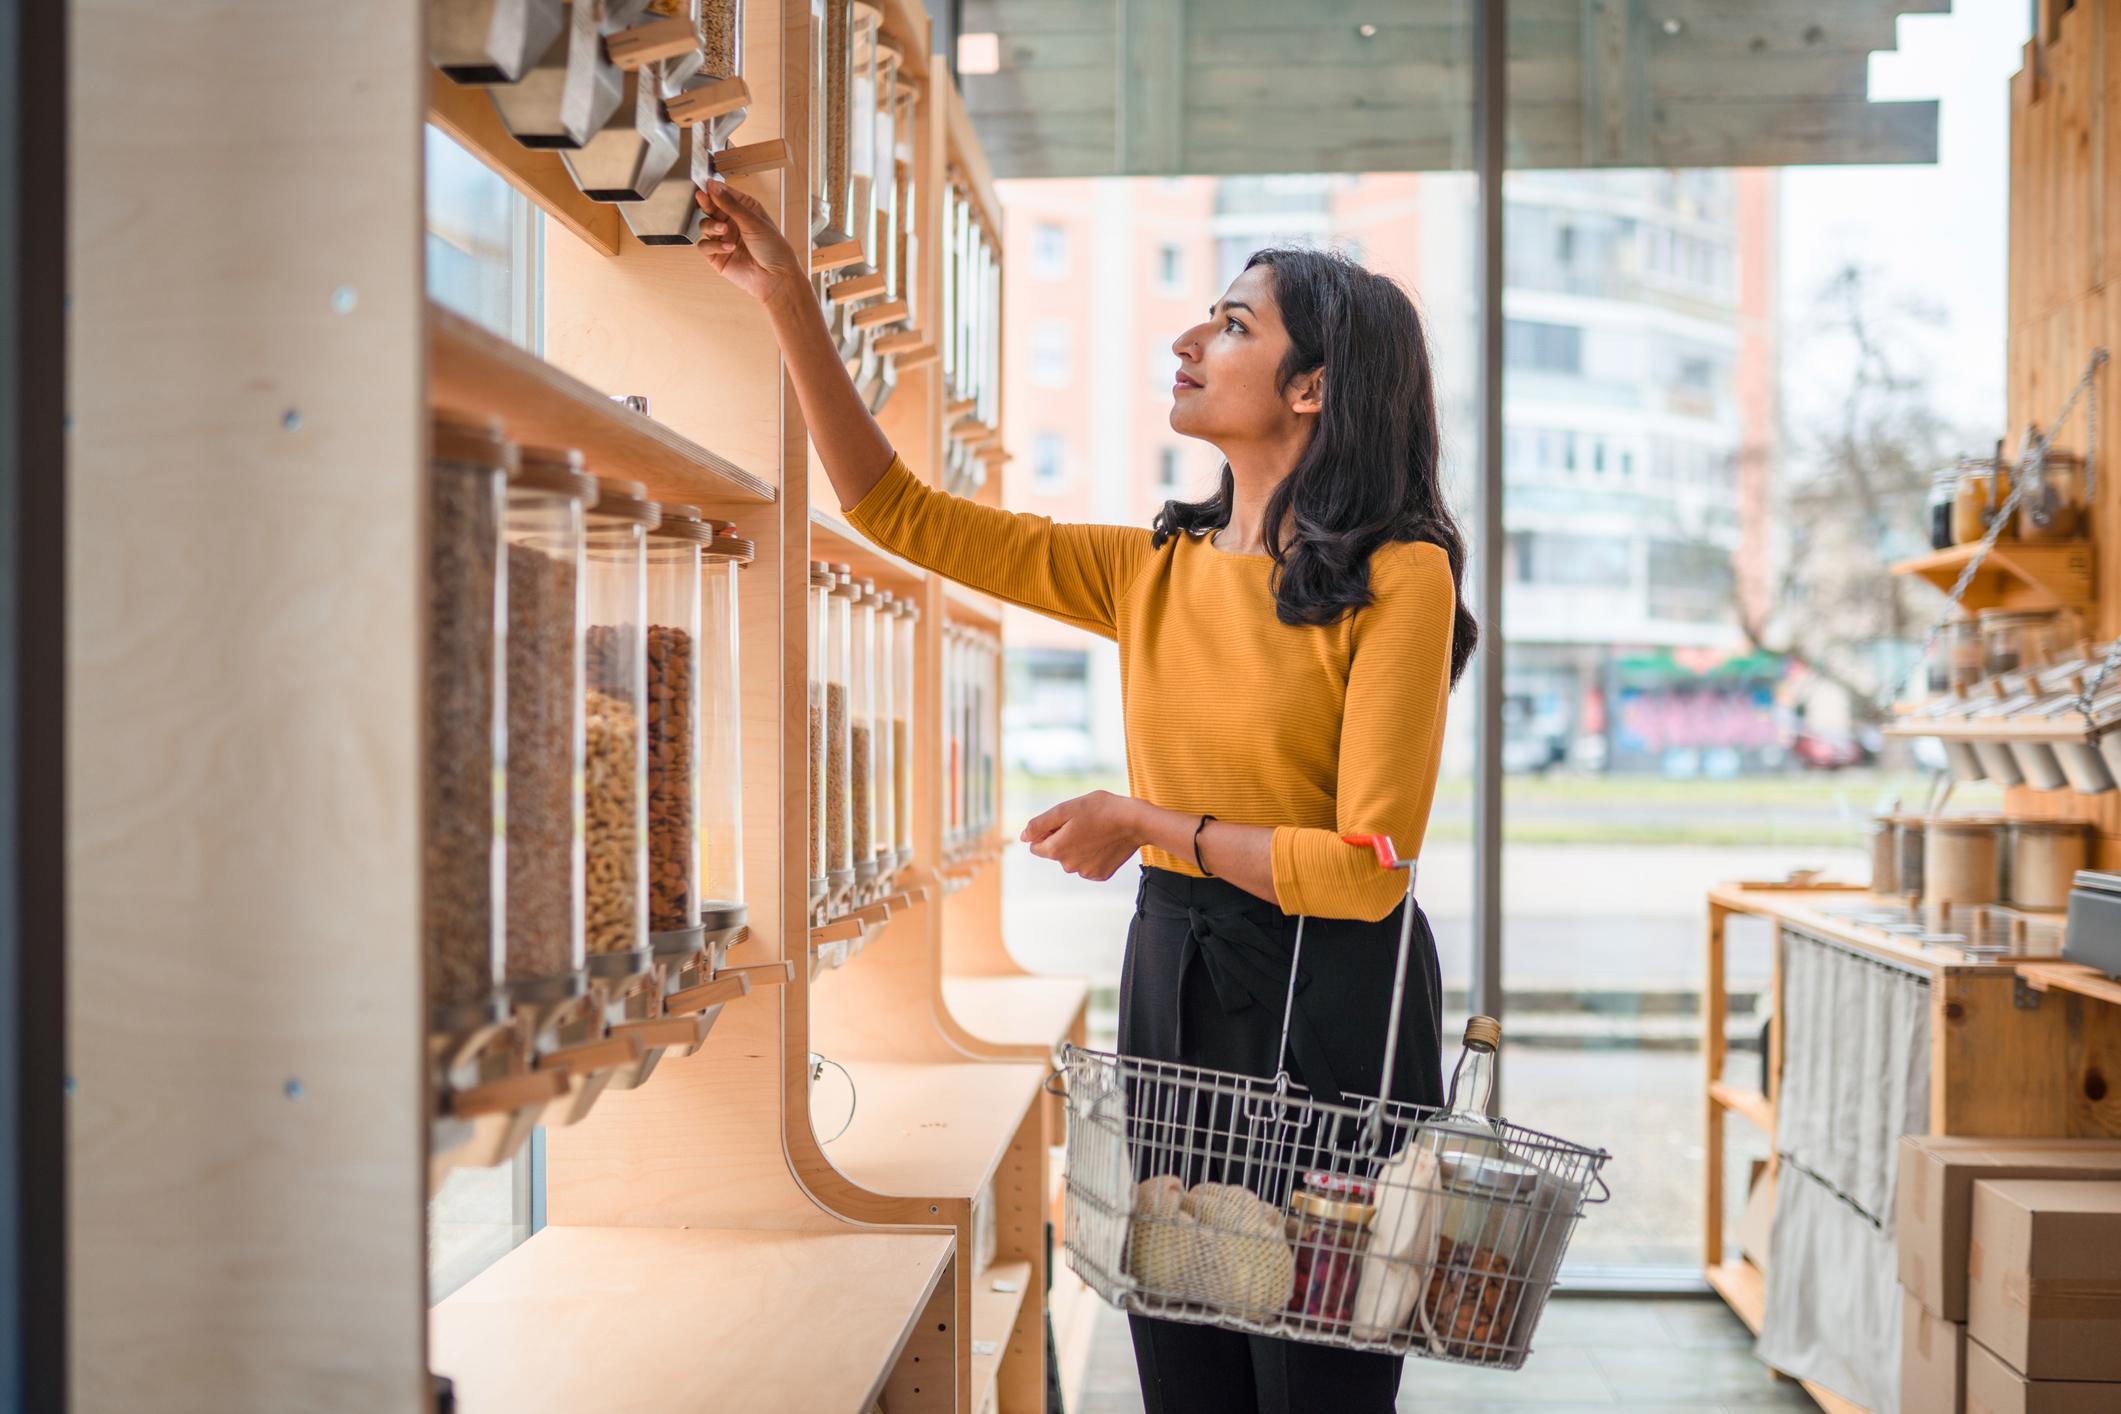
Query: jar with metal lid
pixel 722 907
pixel 885 687
pixel 1944 489
pixel 1885 860
pixel 2056 500
pixel 861 729
pixel 615 747
pixel 1488 1213
pixel 904 627
pixel 548 500
pixel 1332 1214
pixel 1908 831
pixel 2011 639
pixel 1962 860
pixel 462 806
pixel 1962 640
pixel 821 584
pixel 839 738
pixel 1983 486
pixel 2045 856
pixel 672 728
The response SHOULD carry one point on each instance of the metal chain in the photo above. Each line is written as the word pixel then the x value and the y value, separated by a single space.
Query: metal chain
pixel 2031 463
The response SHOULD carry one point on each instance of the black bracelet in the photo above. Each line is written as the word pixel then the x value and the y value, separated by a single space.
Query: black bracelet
pixel 1205 871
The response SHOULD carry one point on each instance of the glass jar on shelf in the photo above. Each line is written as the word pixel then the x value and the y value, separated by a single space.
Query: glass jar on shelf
pixel 1963 653
pixel 860 117
pixel 1983 486
pixel 861 729
pixel 671 729
pixel 615 748
pixel 905 625
pixel 992 733
pixel 1944 490
pixel 1332 1214
pixel 462 808
pixel 883 118
pixel 881 694
pixel 832 217
pixel 722 39
pixel 839 741
pixel 821 585
pixel 2012 639
pixel 2056 500
pixel 548 500
pixel 721 866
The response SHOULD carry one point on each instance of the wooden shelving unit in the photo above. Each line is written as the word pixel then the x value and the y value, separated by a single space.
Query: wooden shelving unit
pixel 2014 575
pixel 703 1249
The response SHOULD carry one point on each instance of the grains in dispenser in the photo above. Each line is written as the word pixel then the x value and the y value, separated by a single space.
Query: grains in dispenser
pixel 460 833
pixel 542 700
pixel 722 33
pixel 817 784
pixel 863 775
pixel 836 791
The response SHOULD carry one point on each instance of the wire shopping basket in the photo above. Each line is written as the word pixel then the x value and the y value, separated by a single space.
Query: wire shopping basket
pixel 1210 1198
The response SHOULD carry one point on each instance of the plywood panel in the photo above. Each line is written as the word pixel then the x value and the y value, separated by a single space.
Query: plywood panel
pixel 244 1015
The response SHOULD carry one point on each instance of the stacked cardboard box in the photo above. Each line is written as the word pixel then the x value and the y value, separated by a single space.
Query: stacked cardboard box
pixel 2010 1264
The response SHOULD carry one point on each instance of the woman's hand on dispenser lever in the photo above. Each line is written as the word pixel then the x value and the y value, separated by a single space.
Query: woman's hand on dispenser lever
pixel 741 242
pixel 744 246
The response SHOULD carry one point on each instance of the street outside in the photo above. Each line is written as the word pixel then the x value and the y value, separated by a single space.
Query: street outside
pixel 1603 957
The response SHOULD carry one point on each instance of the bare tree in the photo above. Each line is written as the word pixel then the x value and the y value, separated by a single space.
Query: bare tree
pixel 1851 500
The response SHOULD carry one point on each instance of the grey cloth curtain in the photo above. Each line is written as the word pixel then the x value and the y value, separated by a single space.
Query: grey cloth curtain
pixel 1855 1078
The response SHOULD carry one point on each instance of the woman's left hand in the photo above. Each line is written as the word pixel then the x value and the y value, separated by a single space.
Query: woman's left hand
pixel 1091 835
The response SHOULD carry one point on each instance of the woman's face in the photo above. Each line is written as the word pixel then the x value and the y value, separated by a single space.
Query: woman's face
pixel 1228 386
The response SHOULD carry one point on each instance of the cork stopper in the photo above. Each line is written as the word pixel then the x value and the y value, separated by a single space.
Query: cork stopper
pixel 1484 1032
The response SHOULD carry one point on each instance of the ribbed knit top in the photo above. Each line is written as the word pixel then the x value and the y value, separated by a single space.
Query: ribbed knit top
pixel 1314 731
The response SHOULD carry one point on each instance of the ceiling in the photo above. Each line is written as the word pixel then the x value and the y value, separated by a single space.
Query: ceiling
pixel 1164 87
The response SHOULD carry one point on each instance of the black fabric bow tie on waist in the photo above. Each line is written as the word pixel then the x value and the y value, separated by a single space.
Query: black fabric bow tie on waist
pixel 1247 967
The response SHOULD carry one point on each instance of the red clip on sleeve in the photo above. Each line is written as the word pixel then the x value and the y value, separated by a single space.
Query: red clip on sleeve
pixel 1386 857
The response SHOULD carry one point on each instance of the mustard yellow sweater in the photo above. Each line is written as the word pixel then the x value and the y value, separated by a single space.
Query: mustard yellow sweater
pixel 1314 731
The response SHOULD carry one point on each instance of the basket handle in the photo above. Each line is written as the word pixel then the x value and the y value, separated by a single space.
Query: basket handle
pixel 1387 858
pixel 1598 1177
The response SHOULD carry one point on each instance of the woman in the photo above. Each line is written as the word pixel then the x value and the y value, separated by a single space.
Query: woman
pixel 1287 650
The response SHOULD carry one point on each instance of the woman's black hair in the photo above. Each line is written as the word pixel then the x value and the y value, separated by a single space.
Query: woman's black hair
pixel 1371 473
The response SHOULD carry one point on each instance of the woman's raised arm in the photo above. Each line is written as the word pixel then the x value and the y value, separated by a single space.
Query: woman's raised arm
pixel 741 241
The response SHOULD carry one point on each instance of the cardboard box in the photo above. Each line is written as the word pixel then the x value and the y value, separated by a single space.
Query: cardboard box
pixel 1993 1387
pixel 2044 1276
pixel 1932 1361
pixel 1933 1209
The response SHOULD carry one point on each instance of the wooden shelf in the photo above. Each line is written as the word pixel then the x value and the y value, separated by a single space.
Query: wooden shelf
pixel 993 1314
pixel 1751 1104
pixel 736 1319
pixel 2014 575
pixel 932 1130
pixel 1743 1288
pixel 2071 977
pixel 1017 1011
pixel 835 541
pixel 964 602
pixel 472 371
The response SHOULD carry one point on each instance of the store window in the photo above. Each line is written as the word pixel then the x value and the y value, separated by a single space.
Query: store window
pixel 1571 561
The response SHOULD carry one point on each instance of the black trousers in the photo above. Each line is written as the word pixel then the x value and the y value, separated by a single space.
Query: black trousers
pixel 1205 978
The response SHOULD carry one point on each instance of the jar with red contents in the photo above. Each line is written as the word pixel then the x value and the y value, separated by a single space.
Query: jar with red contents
pixel 1332 1227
